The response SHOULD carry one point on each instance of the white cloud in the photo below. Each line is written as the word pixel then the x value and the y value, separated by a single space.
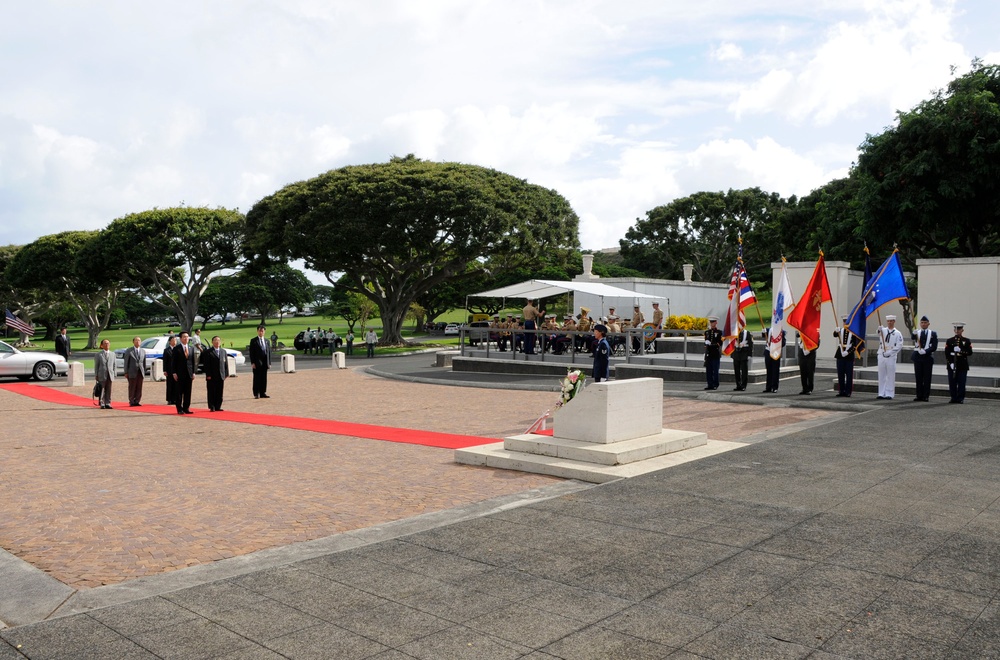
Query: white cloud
pixel 891 60
pixel 619 106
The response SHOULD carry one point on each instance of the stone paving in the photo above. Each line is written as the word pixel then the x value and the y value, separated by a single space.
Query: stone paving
pixel 98 497
pixel 874 536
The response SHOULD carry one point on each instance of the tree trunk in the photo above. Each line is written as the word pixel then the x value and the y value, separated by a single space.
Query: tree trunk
pixel 393 317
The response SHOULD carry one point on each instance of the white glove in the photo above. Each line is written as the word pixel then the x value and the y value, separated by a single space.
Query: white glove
pixel 958 349
pixel 708 342
pixel 921 351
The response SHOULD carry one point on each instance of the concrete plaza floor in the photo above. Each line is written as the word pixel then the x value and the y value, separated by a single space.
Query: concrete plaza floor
pixel 871 531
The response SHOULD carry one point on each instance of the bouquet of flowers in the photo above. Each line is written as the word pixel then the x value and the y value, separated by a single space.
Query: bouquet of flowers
pixel 571 386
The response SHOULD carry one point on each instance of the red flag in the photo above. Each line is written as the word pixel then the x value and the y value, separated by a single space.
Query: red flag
pixel 805 317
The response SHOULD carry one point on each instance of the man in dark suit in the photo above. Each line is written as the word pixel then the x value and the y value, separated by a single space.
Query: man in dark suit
pixel 772 367
pixel 168 369
pixel 260 362
pixel 925 343
pixel 62 344
pixel 215 364
pixel 807 365
pixel 184 369
pixel 135 371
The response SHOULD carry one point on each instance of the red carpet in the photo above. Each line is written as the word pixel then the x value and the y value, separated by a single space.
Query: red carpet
pixel 369 431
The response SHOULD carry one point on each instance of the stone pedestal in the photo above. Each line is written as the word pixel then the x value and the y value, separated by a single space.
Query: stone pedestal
pixel 339 360
pixel 75 376
pixel 609 431
pixel 156 371
pixel 288 363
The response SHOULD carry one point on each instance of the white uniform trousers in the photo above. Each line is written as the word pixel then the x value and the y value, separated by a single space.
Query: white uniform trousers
pixel 886 376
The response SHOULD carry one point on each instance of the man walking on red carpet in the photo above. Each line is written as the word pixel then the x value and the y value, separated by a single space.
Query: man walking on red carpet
pixel 260 362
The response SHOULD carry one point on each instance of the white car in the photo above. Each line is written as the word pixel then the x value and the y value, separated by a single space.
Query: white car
pixel 154 351
pixel 30 364
pixel 451 329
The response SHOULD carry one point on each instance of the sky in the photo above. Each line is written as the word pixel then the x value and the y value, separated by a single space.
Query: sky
pixel 114 107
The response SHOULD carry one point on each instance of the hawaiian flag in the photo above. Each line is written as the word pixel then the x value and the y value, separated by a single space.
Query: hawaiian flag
pixel 15 323
pixel 735 319
pixel 806 316
pixel 741 295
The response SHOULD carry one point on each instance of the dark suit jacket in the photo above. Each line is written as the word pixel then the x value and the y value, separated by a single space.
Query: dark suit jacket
pixel 260 357
pixel 214 365
pixel 184 366
pixel 62 345
pixel 168 360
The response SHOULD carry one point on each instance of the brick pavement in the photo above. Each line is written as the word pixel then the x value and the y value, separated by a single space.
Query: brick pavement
pixel 99 497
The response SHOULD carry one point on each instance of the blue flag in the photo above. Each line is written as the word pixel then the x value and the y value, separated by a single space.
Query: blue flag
pixel 885 286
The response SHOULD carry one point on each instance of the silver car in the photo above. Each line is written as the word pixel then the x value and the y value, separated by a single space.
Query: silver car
pixel 30 364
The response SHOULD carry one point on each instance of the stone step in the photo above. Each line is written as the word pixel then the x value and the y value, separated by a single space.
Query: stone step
pixel 494 455
pixel 614 453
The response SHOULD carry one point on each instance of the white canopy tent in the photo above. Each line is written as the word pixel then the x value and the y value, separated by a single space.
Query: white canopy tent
pixel 535 289
pixel 544 288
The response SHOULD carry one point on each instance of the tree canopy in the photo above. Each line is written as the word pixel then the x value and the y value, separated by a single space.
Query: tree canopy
pixel 932 181
pixel 171 255
pixel 58 265
pixel 397 229
pixel 703 230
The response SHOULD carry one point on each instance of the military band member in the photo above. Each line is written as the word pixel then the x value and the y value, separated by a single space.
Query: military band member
pixel 637 320
pixel 741 359
pixel 713 353
pixel 849 346
pixel 890 344
pixel 957 351
pixel 584 324
pixel 925 343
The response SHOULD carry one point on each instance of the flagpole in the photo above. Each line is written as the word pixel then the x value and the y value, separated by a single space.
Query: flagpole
pixel 833 304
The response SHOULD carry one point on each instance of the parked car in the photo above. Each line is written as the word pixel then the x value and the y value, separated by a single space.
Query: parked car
pixel 154 351
pixel 481 334
pixel 30 364
pixel 451 329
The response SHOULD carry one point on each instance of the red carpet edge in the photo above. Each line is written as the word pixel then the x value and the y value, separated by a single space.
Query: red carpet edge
pixel 368 431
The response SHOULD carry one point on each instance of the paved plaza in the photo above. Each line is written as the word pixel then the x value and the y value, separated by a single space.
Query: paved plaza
pixel 864 531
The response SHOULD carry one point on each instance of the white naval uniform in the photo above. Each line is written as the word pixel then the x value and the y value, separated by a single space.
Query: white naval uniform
pixel 890 344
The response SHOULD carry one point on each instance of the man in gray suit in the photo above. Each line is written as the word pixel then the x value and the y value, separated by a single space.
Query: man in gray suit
pixel 104 372
pixel 135 371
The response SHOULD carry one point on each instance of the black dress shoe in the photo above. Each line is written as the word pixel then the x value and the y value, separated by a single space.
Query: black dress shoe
pixel 264 396
pixel 188 412
pixel 218 410
pixel 180 412
pixel 880 397
pixel 737 389
pixel 211 410
pixel 709 388
pixel 766 392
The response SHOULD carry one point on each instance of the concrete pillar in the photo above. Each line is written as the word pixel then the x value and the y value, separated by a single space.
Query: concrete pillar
pixel 339 360
pixel 288 363
pixel 688 270
pixel 231 363
pixel 75 376
pixel 156 371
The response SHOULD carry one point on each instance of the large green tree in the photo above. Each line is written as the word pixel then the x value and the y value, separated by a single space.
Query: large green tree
pixel 171 255
pixel 702 229
pixel 59 264
pixel 932 181
pixel 396 230
pixel 271 288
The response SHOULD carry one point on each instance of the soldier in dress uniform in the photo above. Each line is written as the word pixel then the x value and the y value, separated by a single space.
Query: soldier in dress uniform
pixel 849 346
pixel 741 359
pixel 713 353
pixel 925 343
pixel 890 344
pixel 957 351
pixel 807 366
pixel 772 366
pixel 584 324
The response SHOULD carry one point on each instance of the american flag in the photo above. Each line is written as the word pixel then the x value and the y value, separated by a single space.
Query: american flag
pixel 15 323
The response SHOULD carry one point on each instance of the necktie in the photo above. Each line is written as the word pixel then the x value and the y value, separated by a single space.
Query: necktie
pixel 923 338
pixel 185 350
